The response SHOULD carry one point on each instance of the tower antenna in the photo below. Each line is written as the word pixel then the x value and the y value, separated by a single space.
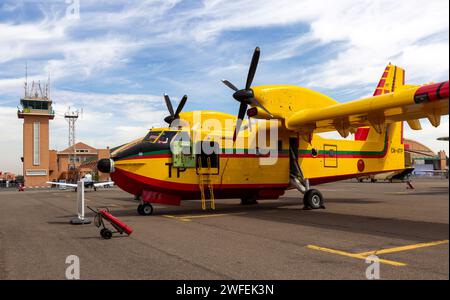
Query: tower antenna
pixel 48 86
pixel 71 117
pixel 26 78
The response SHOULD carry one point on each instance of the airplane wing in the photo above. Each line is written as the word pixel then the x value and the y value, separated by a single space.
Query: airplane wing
pixel 98 184
pixel 63 183
pixel 405 103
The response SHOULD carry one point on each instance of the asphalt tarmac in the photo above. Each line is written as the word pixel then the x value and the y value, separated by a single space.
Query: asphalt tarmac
pixel 408 230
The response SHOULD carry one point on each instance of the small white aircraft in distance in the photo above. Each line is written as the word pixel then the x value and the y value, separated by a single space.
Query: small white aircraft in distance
pixel 88 183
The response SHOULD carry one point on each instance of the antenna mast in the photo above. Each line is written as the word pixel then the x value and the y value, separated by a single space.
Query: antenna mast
pixel 71 117
pixel 26 78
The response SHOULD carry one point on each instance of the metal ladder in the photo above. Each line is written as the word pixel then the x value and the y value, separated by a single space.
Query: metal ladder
pixel 205 178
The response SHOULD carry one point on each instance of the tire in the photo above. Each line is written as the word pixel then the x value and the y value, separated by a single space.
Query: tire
pixel 313 199
pixel 146 209
pixel 106 233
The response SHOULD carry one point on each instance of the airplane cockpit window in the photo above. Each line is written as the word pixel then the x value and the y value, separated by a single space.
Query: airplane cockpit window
pixel 152 136
pixel 159 137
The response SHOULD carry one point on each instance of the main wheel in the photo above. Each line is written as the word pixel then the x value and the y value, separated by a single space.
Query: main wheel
pixel 106 233
pixel 145 209
pixel 313 199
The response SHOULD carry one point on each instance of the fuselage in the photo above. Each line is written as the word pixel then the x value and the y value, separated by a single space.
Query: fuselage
pixel 150 166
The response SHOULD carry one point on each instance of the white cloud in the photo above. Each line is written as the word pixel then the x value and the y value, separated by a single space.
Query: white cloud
pixel 11 140
pixel 376 32
pixel 106 117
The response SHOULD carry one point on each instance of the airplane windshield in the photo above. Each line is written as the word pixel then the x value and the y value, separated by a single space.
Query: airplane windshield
pixel 159 137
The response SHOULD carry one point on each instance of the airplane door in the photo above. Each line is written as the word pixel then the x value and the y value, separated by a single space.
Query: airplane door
pixel 293 155
pixel 208 162
pixel 330 156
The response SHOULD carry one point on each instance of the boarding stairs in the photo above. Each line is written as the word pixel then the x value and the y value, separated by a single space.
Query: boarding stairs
pixel 205 180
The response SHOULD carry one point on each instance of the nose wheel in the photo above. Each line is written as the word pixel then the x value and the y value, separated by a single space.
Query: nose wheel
pixel 145 209
pixel 313 199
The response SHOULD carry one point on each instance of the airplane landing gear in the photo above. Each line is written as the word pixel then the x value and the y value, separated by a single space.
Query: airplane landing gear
pixel 313 199
pixel 145 209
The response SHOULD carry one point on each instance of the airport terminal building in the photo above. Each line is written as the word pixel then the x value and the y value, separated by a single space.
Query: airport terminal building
pixel 423 159
pixel 40 164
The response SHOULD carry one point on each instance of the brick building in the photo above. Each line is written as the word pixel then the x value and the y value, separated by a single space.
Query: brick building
pixel 74 162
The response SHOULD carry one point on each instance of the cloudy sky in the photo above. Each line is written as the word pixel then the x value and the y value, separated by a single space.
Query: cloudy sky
pixel 116 58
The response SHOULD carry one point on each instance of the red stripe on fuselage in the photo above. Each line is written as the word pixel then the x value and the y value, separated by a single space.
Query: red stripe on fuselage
pixel 135 184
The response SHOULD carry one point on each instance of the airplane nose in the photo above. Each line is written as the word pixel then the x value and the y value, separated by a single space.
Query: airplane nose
pixel 105 165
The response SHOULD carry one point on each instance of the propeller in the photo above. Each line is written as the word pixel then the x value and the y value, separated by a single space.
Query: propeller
pixel 174 115
pixel 246 96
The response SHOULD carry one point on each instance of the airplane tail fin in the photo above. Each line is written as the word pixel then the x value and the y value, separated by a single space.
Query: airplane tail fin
pixel 392 78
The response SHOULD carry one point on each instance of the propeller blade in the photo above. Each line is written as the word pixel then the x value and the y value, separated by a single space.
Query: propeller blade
pixel 256 103
pixel 180 106
pixel 169 105
pixel 230 85
pixel 241 115
pixel 252 69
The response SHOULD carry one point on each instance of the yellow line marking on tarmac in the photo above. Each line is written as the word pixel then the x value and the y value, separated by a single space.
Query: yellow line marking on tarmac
pixel 176 218
pixel 404 248
pixel 189 218
pixel 364 255
pixel 355 255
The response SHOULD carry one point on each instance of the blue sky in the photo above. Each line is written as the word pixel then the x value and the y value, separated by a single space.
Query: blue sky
pixel 117 59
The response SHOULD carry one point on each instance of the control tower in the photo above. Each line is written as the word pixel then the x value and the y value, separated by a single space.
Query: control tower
pixel 36 112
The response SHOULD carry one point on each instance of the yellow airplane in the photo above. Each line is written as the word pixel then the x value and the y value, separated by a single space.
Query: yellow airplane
pixel 202 156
